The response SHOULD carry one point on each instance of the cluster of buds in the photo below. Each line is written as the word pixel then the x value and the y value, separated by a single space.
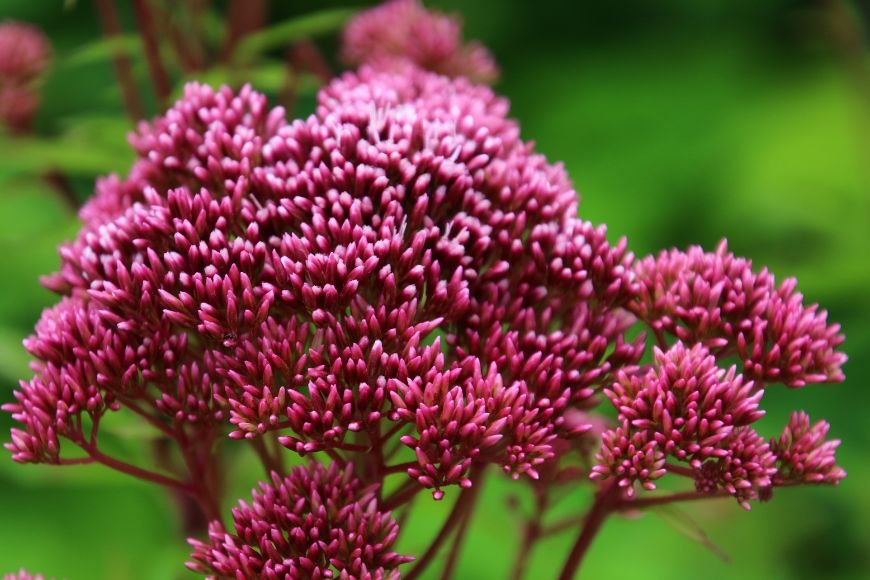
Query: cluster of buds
pixel 392 267
pixel 718 300
pixel 24 56
pixel 403 31
pixel 397 284
pixel 687 409
pixel 315 523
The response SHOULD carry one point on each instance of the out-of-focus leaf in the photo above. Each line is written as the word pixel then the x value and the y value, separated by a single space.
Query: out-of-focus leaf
pixel 105 49
pixel 214 27
pixel 109 130
pixel 28 208
pixel 283 33
pixel 682 522
pixel 13 357
pixel 27 156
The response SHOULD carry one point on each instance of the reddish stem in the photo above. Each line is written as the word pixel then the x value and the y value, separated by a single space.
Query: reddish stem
pixel 159 77
pixel 399 467
pixel 601 508
pixel 76 461
pixel 112 29
pixel 562 525
pixel 401 496
pixel 393 430
pixel 277 453
pixel 465 501
pixel 680 470
pixel 532 531
pixel 660 338
pixel 269 463
pixel 335 456
pixel 204 470
pixel 244 17
pixel 354 447
pixel 135 471
pixel 187 48
pixel 456 545
pixel 304 55
pixel 152 420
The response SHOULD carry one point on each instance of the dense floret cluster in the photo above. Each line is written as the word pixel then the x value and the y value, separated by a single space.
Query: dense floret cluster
pixel 24 56
pixel 403 31
pixel 315 523
pixel 393 260
pixel 399 284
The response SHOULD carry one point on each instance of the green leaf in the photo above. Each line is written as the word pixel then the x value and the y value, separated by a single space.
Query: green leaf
pixel 683 523
pixel 105 49
pixel 284 33
pixel 13 358
pixel 69 153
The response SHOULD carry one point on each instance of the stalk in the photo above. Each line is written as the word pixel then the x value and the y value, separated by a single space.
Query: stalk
pixel 604 503
pixel 111 25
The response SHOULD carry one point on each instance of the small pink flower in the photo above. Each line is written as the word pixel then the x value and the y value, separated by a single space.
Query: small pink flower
pixel 312 523
pixel 24 56
pixel 719 300
pixel 744 471
pixel 24 52
pixel 803 453
pixel 401 31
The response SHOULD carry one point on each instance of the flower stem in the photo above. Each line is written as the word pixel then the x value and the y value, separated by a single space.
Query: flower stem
pixel 159 77
pixel 112 29
pixel 137 472
pixel 269 463
pixel 456 545
pixel 601 508
pixel 465 501
pixel 60 183
pixel 679 470
pixel 399 467
pixel 402 495
pixel 531 532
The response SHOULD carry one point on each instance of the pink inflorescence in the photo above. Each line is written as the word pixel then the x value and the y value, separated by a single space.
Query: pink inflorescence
pixel 315 523
pixel 398 281
pixel 24 56
pixel 210 138
pixel 404 31
pixel 689 410
pixel 804 454
pixel 717 299
pixel 399 263
pixel 23 575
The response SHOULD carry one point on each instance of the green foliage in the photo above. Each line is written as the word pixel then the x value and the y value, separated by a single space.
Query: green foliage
pixel 284 33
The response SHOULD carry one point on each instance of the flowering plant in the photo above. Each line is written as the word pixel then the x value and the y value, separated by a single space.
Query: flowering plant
pixel 395 296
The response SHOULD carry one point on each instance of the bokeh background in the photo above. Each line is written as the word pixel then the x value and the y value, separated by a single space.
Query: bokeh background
pixel 680 122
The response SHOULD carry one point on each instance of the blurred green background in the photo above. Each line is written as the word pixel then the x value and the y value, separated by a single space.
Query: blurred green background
pixel 680 122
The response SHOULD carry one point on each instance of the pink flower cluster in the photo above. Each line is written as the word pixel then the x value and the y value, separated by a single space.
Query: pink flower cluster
pixel 24 55
pixel 403 31
pixel 400 265
pixel 688 409
pixel 315 523
pixel 804 453
pixel 23 575
pixel 401 284
pixel 717 299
